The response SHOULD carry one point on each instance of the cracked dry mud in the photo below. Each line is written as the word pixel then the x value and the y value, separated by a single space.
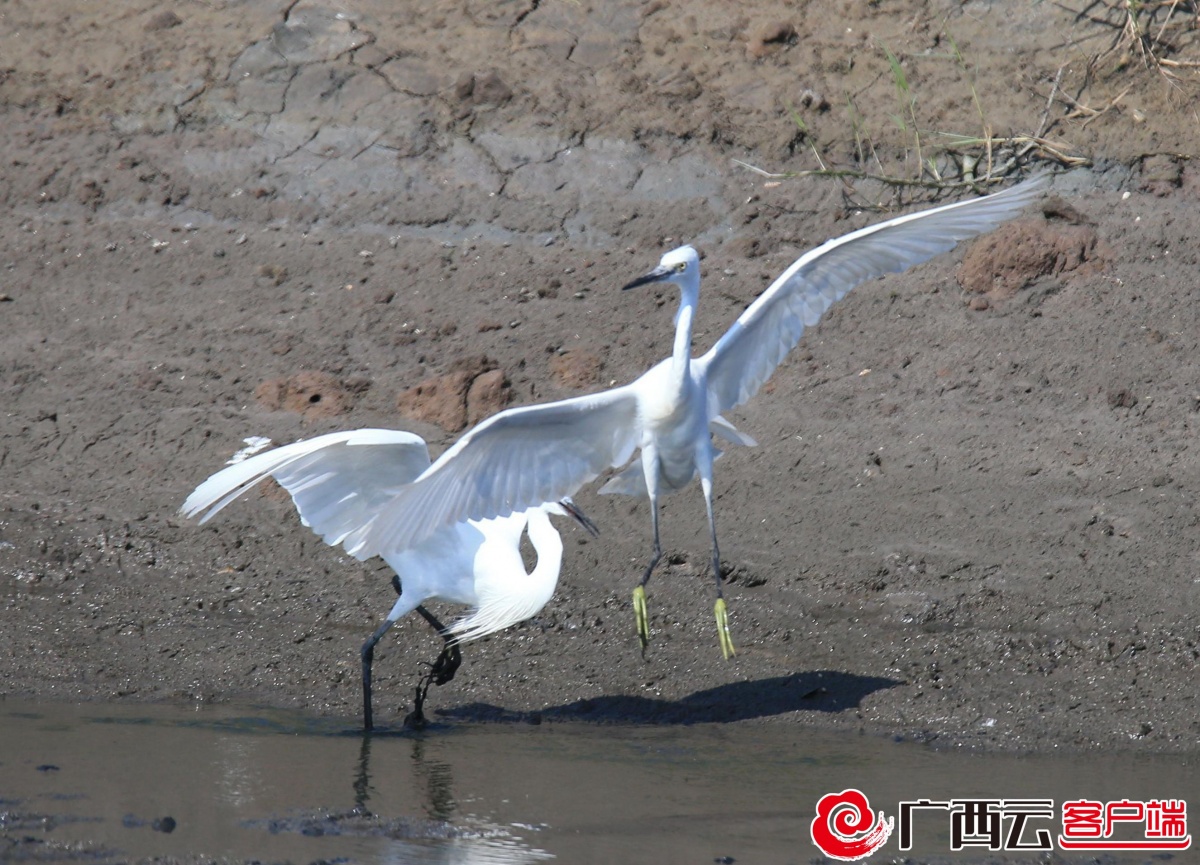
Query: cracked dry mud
pixel 972 514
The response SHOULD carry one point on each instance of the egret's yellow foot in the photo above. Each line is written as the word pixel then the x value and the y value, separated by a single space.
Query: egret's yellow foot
pixel 643 621
pixel 723 629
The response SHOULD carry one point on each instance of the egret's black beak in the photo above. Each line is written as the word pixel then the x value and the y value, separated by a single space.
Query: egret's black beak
pixel 580 517
pixel 659 273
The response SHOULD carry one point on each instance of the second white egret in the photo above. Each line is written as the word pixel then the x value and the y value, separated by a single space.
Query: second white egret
pixel 338 481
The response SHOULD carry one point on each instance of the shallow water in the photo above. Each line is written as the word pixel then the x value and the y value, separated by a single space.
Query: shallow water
pixel 267 785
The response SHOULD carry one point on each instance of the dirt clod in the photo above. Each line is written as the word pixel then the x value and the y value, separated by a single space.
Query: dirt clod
pixel 1015 255
pixel 309 393
pixel 470 391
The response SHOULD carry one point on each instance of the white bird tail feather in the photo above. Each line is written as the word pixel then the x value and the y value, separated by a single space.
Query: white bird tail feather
pixel 495 614
pixel 499 610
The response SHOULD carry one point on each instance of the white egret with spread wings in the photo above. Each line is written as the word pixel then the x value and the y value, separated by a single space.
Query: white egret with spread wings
pixel 340 480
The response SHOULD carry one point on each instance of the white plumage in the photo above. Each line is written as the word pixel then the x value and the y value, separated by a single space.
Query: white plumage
pixel 340 480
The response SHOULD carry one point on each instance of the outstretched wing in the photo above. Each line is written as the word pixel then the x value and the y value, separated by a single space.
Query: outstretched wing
pixel 338 481
pixel 744 358
pixel 515 460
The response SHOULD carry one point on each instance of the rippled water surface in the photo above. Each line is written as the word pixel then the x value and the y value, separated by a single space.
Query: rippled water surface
pixel 99 782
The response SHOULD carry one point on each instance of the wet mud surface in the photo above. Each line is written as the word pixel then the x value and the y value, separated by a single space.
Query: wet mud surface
pixel 971 517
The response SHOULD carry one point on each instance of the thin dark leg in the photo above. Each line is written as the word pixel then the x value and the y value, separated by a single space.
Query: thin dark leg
pixel 368 657
pixel 712 536
pixel 415 720
pixel 450 659
pixel 641 616
pixel 433 621
pixel 440 672
pixel 719 610
pixel 657 555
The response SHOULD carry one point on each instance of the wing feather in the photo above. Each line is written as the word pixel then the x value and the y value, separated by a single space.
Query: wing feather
pixel 515 460
pixel 337 481
pixel 744 358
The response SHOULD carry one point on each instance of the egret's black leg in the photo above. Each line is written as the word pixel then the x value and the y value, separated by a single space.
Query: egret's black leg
pixel 639 594
pixel 450 659
pixel 415 720
pixel 440 672
pixel 657 555
pixel 368 656
pixel 719 610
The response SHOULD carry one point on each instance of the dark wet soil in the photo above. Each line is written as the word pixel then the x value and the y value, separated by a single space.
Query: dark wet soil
pixel 972 514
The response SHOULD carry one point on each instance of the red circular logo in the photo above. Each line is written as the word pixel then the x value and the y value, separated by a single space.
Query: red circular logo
pixel 844 827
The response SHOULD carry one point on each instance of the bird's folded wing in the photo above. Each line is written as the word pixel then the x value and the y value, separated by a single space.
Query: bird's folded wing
pixel 744 358
pixel 520 458
pixel 337 481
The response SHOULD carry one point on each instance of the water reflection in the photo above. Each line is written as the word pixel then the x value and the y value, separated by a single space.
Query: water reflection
pixel 436 776
pixel 438 779
pixel 275 786
pixel 473 839
pixel 260 787
pixel 441 835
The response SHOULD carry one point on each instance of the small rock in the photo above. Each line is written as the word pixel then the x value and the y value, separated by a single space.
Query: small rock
pixel 1121 398
pixel 276 273
pixel 1054 207
pixel 490 89
pixel 1162 174
pixel 770 38
pixel 464 86
pixel 745 247
pixel 164 20
pixel 482 88
pixel 166 825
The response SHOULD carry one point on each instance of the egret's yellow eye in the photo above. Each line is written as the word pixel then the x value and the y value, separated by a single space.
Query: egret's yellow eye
pixel 681 267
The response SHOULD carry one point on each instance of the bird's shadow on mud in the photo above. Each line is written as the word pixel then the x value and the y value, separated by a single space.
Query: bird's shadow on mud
pixel 816 691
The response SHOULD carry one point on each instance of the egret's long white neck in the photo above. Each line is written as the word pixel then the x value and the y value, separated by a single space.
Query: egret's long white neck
pixel 681 356
pixel 548 543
